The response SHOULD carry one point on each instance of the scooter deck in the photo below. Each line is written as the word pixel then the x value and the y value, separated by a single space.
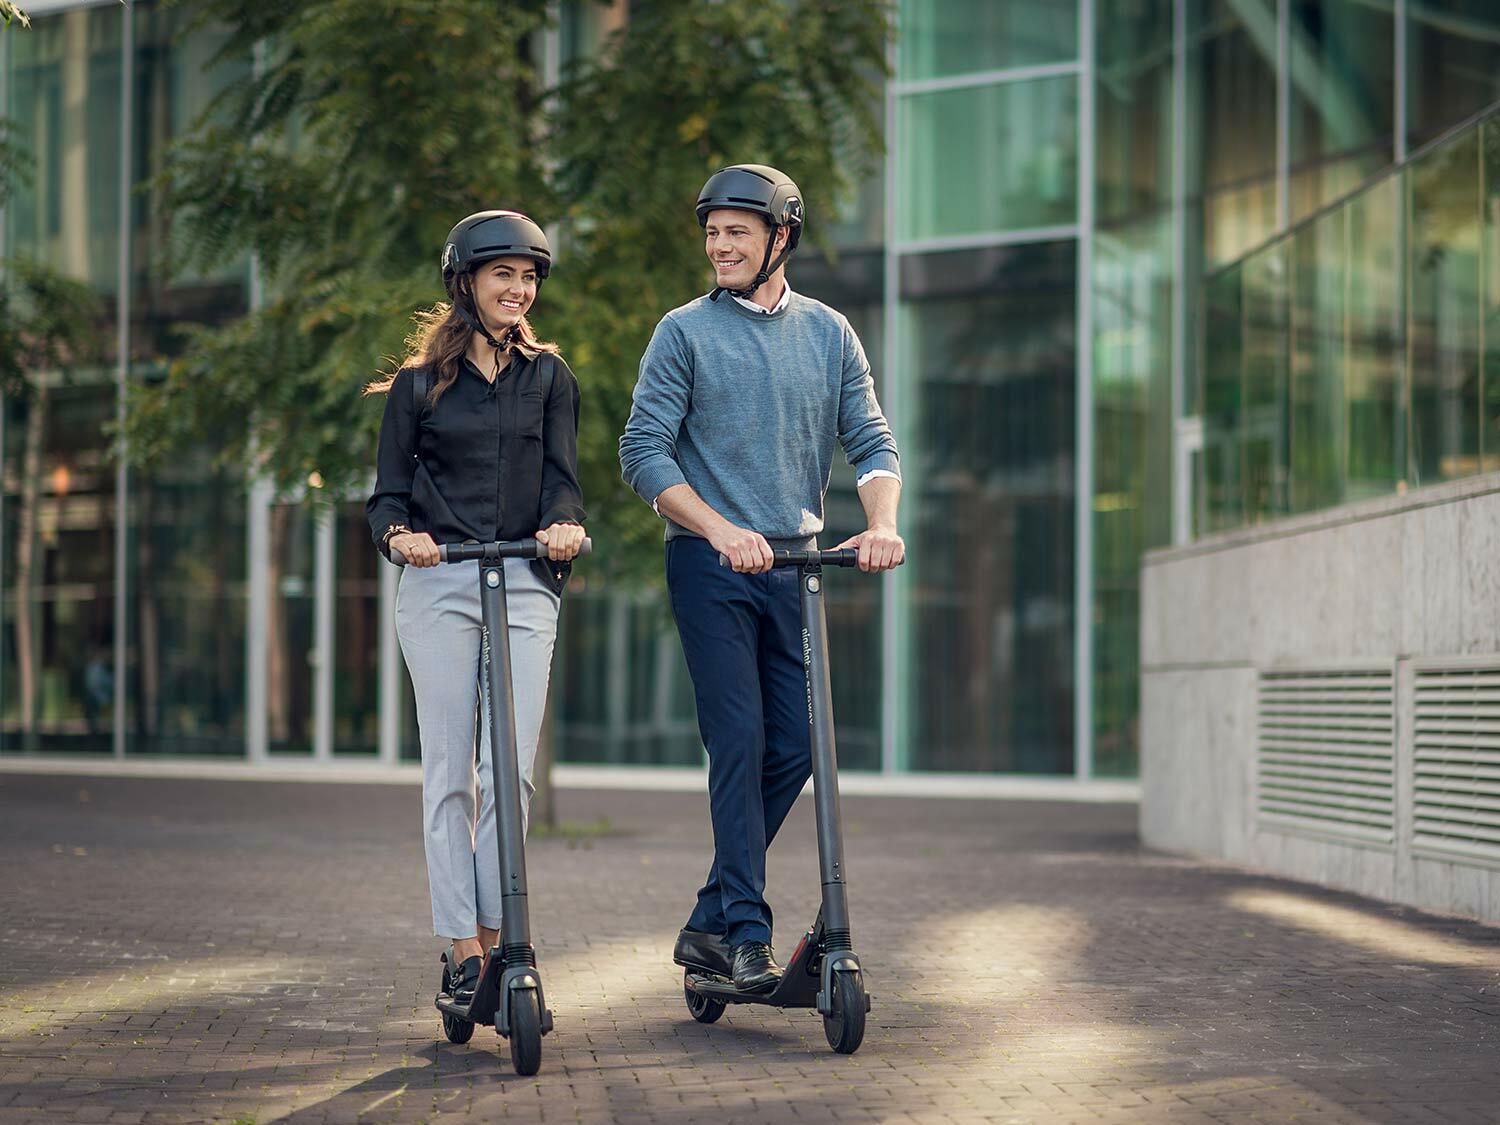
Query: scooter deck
pixel 798 987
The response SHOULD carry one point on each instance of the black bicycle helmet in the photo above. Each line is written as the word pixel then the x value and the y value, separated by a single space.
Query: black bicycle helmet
pixel 767 192
pixel 482 237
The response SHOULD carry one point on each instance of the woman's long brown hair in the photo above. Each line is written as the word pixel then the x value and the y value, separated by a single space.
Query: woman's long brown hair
pixel 438 340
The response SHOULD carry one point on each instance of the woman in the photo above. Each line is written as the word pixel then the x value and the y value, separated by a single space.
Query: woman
pixel 479 441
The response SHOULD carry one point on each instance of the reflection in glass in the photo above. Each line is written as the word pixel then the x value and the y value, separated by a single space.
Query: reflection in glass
pixel 1376 344
pixel 1317 305
pixel 291 585
pixel 853 285
pixel 946 37
pixel 1490 325
pixel 1343 99
pixel 64 86
pixel 620 686
pixel 1231 156
pixel 1444 316
pixel 988 344
pixel 356 646
pixel 1218 481
pixel 1453 63
pixel 187 581
pixel 1132 501
pixel 1132 350
pixel 989 158
pixel 186 631
pixel 59 598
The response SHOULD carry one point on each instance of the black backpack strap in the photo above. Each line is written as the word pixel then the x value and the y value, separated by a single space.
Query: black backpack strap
pixel 419 381
pixel 548 374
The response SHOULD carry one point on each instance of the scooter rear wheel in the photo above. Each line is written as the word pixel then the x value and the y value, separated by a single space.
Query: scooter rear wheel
pixel 845 1027
pixel 525 1031
pixel 704 1009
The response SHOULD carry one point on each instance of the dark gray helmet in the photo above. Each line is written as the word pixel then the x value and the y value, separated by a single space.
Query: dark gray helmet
pixel 493 234
pixel 482 237
pixel 759 188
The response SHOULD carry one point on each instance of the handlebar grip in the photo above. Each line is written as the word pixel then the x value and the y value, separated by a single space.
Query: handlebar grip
pixel 520 548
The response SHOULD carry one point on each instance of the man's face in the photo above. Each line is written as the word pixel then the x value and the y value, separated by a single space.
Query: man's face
pixel 735 242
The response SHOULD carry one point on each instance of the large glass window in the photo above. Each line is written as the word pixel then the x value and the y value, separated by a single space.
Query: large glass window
pixel 187 555
pixel 945 37
pixel 1132 351
pixel 1343 99
pixel 64 80
pixel 57 668
pixel 989 350
pixel 291 586
pixel 989 158
pixel 1444 316
pixel 356 645
pixel 1231 138
pixel 1453 63
pixel 852 601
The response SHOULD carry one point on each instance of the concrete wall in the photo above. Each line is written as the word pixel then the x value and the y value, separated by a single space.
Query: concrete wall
pixel 1393 581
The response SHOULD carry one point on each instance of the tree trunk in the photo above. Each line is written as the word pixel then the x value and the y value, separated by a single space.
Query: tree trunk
pixel 28 633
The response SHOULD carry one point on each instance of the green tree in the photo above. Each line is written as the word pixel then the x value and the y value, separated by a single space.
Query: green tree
pixel 343 177
pixel 11 11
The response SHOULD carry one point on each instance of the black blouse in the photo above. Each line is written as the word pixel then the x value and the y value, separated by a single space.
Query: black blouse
pixel 491 461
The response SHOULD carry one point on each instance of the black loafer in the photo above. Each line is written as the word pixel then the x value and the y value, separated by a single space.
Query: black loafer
pixel 752 968
pixel 463 978
pixel 697 950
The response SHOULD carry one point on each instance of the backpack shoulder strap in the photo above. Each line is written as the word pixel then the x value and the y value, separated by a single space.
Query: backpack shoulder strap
pixel 549 374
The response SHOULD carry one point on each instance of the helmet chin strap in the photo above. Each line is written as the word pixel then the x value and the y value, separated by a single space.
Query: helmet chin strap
pixel 767 268
pixel 461 303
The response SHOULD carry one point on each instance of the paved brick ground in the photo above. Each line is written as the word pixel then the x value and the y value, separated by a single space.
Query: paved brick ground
pixel 201 951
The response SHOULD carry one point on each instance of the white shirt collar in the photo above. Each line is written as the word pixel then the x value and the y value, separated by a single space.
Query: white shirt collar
pixel 786 296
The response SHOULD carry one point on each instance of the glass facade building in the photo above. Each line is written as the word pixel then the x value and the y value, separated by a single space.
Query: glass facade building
pixel 1085 212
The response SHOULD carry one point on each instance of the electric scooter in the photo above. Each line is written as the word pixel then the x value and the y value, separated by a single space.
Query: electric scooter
pixel 508 995
pixel 824 972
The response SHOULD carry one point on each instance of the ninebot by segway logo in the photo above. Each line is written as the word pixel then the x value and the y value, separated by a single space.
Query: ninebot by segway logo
pixel 807 663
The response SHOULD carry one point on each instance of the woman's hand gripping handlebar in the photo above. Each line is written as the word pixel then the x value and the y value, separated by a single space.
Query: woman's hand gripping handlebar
pixel 491 552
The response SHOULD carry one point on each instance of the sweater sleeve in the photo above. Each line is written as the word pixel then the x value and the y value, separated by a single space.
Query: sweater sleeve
pixel 663 392
pixel 863 431
pixel 395 459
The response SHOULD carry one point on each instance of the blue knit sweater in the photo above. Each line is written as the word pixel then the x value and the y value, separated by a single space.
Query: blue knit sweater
pixel 746 408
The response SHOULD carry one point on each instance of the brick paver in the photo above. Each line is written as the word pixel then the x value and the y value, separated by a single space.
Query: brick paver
pixel 247 951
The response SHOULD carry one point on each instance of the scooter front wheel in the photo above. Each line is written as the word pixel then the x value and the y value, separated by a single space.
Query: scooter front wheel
pixel 525 1030
pixel 704 1009
pixel 456 1028
pixel 845 1026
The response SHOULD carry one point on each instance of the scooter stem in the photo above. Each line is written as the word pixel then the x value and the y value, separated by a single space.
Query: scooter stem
pixel 835 912
pixel 515 924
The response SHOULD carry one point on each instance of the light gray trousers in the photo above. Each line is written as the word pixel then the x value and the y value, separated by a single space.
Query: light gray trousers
pixel 438 623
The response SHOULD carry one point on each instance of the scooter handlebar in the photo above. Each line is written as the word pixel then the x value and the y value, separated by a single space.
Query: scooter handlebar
pixel 511 549
pixel 783 556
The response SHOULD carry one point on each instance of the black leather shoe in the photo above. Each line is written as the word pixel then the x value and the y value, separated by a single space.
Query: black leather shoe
pixel 462 978
pixel 697 950
pixel 752 967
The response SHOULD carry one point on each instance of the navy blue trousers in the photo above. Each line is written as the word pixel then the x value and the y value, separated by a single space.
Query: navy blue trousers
pixel 742 636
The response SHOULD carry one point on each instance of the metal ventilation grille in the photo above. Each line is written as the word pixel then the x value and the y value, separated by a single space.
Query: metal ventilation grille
pixel 1325 753
pixel 1456 760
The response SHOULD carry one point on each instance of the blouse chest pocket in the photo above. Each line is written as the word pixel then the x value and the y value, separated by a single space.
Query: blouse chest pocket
pixel 529 410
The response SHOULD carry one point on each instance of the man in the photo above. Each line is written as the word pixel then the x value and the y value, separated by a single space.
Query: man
pixel 730 439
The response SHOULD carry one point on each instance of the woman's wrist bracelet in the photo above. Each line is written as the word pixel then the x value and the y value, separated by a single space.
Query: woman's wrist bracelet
pixel 392 531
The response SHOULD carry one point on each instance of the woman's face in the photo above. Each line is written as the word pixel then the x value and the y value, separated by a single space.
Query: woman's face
pixel 504 289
